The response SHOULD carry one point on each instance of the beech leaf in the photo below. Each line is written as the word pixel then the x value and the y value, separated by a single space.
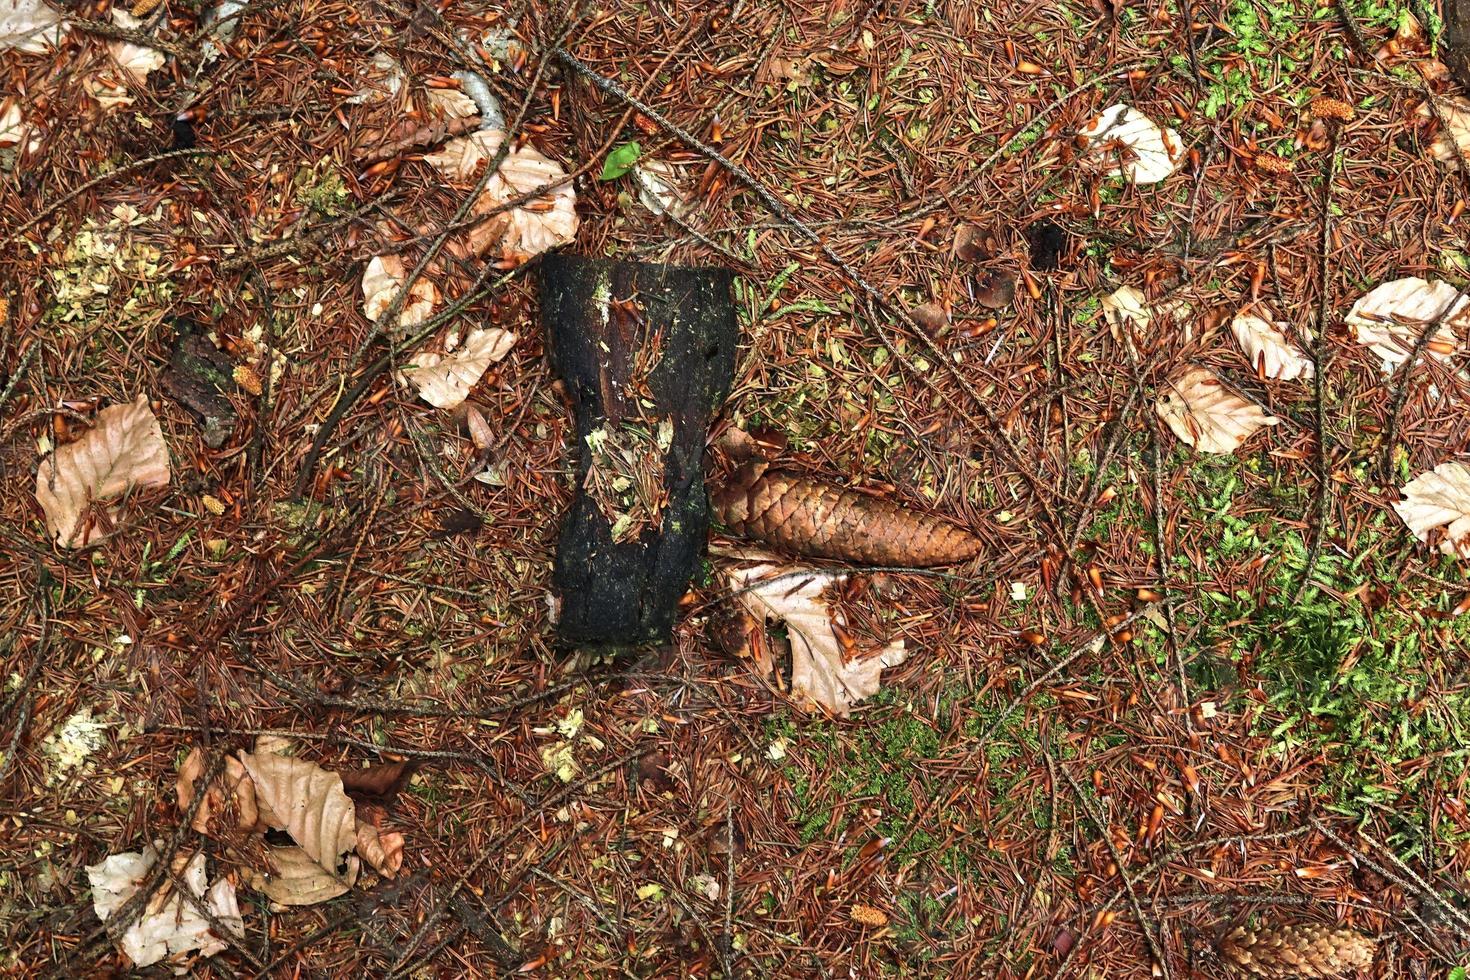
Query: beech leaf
pixel 1440 498
pixel 528 229
pixel 296 879
pixel 1127 143
pixel 1391 317
pixel 1269 348
pixel 29 26
pixel 232 791
pixel 1129 313
pixel 122 451
pixel 821 673
pixel 445 380
pixel 658 188
pixel 381 849
pixel 381 281
pixel 307 802
pixel 1206 415
pixel 135 59
pixel 1453 140
pixel 170 925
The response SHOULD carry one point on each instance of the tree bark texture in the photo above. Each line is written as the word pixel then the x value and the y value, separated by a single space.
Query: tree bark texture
pixel 647 353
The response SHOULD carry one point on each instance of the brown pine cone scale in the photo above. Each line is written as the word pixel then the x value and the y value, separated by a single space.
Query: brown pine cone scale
pixel 1302 950
pixel 815 519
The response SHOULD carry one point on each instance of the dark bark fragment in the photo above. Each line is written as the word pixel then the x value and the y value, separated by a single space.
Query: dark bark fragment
pixel 198 376
pixel 647 353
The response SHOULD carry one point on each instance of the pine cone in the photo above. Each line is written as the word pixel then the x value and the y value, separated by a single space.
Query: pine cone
pixel 1303 950
pixel 811 518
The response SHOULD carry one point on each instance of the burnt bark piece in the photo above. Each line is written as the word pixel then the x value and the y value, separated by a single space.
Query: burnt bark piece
pixel 1456 39
pixel 647 353
pixel 199 375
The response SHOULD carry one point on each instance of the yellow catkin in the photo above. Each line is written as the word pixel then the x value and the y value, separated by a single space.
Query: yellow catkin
pixel 246 378
pixel 214 505
pixel 866 915
pixel 1326 107
pixel 1273 164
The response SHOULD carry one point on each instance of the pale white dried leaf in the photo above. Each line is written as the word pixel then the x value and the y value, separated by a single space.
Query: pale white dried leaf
pixel 820 673
pixel 122 451
pixel 445 380
pixel 463 157
pixel 658 188
pixel 1129 144
pixel 1129 313
pixel 1391 317
pixel 1269 348
pixel 382 80
pixel 1440 498
pixel 451 103
pixel 381 281
pixel 29 26
pixel 478 90
pixel 308 802
pixel 135 59
pixel 1453 139
pixel 527 229
pixel 295 879
pixel 170 924
pixel 14 130
pixel 381 849
pixel 108 94
pixel 1206 415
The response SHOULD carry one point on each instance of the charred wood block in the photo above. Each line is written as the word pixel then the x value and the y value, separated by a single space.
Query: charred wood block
pixel 647 353
pixel 1456 39
pixel 199 378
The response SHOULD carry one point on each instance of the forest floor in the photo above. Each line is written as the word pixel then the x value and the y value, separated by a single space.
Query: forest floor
pixel 1178 692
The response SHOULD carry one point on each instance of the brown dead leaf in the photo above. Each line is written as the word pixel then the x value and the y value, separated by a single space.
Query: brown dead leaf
pixel 307 802
pixel 381 849
pixel 379 783
pixel 1207 415
pixel 1440 499
pixel 821 673
pixel 231 793
pixel 123 451
pixel 296 879
pixel 445 380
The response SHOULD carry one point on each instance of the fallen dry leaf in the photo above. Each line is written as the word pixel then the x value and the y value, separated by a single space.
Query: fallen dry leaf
pixel 122 451
pixel 1453 140
pixel 1440 498
pixel 820 673
pixel 445 380
pixel 29 26
pixel 381 281
pixel 452 103
pixel 14 130
pixel 379 782
pixel 1206 415
pixel 1269 349
pixel 1127 143
pixel 381 849
pixel 307 802
pixel 295 879
pixel 382 81
pixel 1391 317
pixel 463 157
pixel 231 791
pixel 1129 313
pixel 135 59
pixel 658 188
pixel 170 925
pixel 542 223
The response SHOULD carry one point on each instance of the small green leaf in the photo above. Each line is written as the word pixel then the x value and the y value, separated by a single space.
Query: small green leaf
pixel 1458 973
pixel 621 160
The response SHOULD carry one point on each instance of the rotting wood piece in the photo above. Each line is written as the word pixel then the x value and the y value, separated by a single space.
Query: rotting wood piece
pixel 648 354
pixel 1456 39
pixel 822 521
pixel 199 376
